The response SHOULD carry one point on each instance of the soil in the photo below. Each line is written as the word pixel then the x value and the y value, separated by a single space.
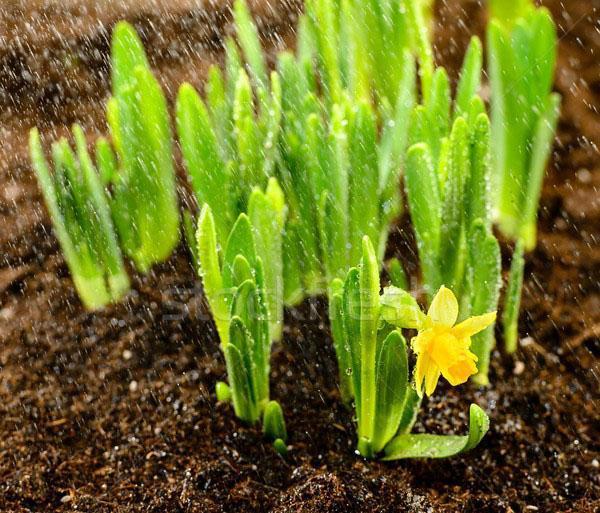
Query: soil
pixel 115 411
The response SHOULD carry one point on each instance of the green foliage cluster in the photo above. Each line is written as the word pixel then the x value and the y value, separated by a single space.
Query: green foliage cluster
pixel 297 174
pixel 338 162
pixel 374 354
pixel 126 201
pixel 141 177
pixel 448 180
pixel 522 48
pixel 235 285
pixel 80 213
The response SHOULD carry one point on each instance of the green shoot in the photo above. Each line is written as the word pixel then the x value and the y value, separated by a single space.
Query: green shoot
pixel 235 284
pixel 448 179
pixel 397 274
pixel 522 47
pixel 512 302
pixel 80 214
pixel 522 57
pixel 362 47
pixel 374 355
pixel 339 167
pixel 143 189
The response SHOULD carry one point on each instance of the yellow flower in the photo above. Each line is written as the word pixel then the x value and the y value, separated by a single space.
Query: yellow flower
pixel 443 348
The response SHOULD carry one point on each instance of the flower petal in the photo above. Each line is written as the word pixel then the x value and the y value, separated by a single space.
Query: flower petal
pixel 422 360
pixel 431 378
pixel 460 371
pixel 420 343
pixel 473 325
pixel 444 308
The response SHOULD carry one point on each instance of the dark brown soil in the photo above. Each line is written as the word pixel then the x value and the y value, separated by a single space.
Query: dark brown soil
pixel 115 411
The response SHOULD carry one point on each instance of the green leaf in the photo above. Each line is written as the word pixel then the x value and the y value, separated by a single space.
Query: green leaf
pixel 438 112
pixel 248 304
pixel 189 232
pixel 470 77
pixel 240 379
pixel 248 139
pixel 394 139
pixel 479 182
pixel 106 161
pixel 210 271
pixel 508 12
pixel 369 321
pixel 333 239
pixel 249 41
pixel 543 139
pixel 240 242
pixel 280 447
pixel 410 411
pixel 363 180
pixel 391 388
pixel 223 392
pixel 397 274
pixel 105 241
pixel 484 276
pixel 340 341
pixel 127 53
pixel 245 306
pixel 266 212
pixel 425 211
pixel 422 43
pixel 51 199
pixel 451 243
pixel 439 446
pixel 241 271
pixel 400 308
pixel 322 15
pixel 206 169
pixel 274 422
pixel 512 301
pixel 352 311
pixel 292 275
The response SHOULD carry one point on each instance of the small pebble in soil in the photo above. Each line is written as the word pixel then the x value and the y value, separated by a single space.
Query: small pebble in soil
pixel 584 175
pixel 527 341
pixel 519 368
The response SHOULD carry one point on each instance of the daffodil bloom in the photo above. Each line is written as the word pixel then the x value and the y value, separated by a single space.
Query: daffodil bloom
pixel 443 348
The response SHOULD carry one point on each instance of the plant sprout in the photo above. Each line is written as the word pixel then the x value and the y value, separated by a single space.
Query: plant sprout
pixel 448 189
pixel 332 163
pixel 78 206
pixel 371 347
pixel 142 179
pixel 361 47
pixel 236 289
pixel 522 56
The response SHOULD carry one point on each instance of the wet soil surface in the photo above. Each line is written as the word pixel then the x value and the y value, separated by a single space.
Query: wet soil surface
pixel 115 411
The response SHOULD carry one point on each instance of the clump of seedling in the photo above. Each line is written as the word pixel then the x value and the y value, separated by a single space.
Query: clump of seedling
pixel 142 179
pixel 373 352
pixel 297 176
pixel 235 284
pixel 127 200
pixel 80 213
pixel 448 177
pixel 361 48
pixel 522 45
